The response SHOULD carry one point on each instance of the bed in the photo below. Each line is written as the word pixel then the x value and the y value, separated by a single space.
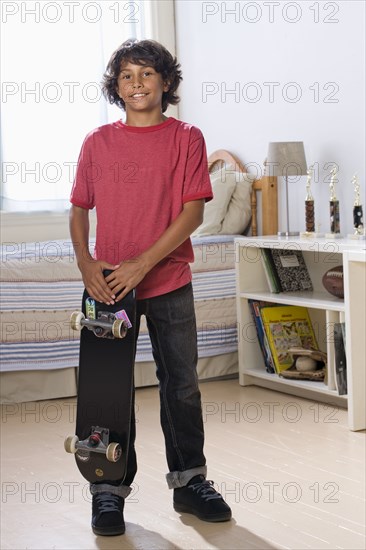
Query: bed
pixel 41 286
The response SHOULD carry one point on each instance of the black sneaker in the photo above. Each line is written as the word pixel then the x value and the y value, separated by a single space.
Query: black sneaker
pixel 107 515
pixel 200 498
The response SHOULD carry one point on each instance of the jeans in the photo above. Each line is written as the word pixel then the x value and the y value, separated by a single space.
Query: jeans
pixel 172 327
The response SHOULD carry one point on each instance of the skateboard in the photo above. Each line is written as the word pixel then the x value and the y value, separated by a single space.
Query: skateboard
pixel 105 387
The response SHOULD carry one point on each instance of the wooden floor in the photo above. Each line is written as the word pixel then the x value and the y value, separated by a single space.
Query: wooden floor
pixel 290 469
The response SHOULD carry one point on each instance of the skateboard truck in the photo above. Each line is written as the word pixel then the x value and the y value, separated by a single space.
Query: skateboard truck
pixel 96 442
pixel 105 326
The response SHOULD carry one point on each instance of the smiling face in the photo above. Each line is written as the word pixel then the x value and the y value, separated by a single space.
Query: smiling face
pixel 141 88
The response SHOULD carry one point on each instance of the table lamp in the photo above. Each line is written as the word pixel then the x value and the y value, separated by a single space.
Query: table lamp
pixel 286 158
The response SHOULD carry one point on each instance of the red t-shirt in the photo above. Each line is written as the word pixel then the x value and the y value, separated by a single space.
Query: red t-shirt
pixel 138 178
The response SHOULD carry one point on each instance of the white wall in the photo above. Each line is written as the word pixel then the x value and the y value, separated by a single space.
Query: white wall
pixel 257 43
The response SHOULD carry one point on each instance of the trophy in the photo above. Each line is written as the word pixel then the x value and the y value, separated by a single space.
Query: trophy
pixel 333 207
pixel 357 211
pixel 310 232
pixel 309 204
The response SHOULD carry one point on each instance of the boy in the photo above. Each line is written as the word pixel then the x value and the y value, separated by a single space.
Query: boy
pixel 148 180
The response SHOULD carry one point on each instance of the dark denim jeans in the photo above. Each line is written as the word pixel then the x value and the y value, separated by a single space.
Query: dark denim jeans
pixel 172 327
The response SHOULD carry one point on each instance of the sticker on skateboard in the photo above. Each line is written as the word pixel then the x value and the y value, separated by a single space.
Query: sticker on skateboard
pixel 123 315
pixel 90 308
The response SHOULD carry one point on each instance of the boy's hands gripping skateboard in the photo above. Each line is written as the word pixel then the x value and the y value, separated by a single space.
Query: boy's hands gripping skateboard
pixel 105 386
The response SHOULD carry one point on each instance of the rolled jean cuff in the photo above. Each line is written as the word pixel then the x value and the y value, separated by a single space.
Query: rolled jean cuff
pixel 119 490
pixel 176 480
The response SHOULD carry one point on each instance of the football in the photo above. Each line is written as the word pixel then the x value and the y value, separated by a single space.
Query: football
pixel 333 281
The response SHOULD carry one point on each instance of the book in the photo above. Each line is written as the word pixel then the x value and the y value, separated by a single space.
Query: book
pixel 254 306
pixel 287 327
pixel 291 270
pixel 270 271
pixel 340 357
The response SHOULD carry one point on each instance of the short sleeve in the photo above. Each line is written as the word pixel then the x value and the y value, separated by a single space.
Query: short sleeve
pixel 197 184
pixel 82 192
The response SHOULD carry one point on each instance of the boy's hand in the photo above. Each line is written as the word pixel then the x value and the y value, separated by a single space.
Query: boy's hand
pixel 94 281
pixel 126 277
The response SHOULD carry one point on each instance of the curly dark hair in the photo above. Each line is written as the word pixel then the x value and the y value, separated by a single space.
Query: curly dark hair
pixel 142 52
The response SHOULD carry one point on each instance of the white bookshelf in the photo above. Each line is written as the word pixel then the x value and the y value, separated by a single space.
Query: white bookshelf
pixel 324 309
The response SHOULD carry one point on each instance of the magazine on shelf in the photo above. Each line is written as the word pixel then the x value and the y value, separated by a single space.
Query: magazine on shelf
pixel 270 271
pixel 340 357
pixel 254 306
pixel 287 327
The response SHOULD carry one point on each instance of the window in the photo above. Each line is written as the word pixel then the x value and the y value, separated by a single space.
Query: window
pixel 53 58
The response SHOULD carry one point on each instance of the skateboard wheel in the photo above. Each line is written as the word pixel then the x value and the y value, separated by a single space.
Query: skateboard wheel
pixel 75 320
pixel 70 443
pixel 119 328
pixel 113 452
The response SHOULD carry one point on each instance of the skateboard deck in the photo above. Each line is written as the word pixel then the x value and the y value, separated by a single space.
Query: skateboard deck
pixel 105 387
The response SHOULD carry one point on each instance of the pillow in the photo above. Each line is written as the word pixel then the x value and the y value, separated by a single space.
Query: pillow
pixel 223 185
pixel 239 210
pixel 229 212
